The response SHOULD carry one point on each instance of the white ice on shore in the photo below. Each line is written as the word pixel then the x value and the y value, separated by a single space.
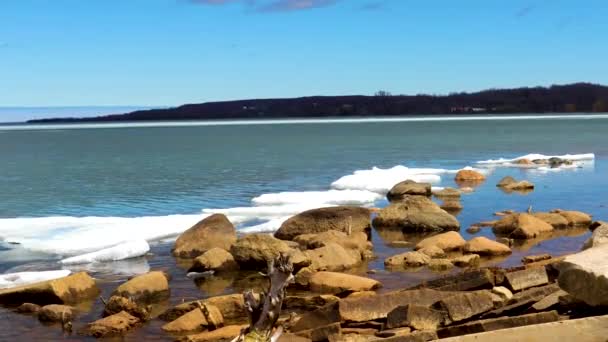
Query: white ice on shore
pixel 266 227
pixel 126 250
pixel 25 278
pixel 128 267
pixel 335 197
pixel 533 156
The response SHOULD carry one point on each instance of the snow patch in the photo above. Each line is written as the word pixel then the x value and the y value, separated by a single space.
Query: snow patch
pixel 25 278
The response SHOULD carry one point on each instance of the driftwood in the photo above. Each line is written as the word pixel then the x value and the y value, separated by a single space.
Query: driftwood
pixel 264 310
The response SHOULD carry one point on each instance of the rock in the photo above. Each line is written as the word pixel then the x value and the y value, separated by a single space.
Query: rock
pixel 309 303
pixel 333 257
pixel 196 320
pixel 522 300
pixel 302 278
pixel 331 282
pixel 408 188
pixel 28 308
pixel 469 175
pixel 408 259
pixel 449 241
pixel 149 287
pixel 321 333
pixel 215 259
pixel 523 161
pixel 361 294
pixel 599 236
pixel 486 247
pixel 549 301
pixel 498 323
pixel 447 192
pixel 467 260
pixel 473 229
pixel 231 306
pixel 452 206
pixel 584 275
pixel 464 281
pixel 575 218
pixel 344 219
pixel 535 258
pixel 292 338
pixel 324 315
pixel 394 332
pixel 56 313
pixel 214 231
pixel 505 241
pixel 520 280
pixel 415 214
pixel 415 336
pixel 524 186
pixel 117 304
pixel 433 251
pixel 440 265
pixel 521 226
pixel 466 305
pixel 253 251
pixel 71 289
pixel 508 180
pixel 219 335
pixel 377 307
pixel 112 325
pixel 555 220
pixel 502 292
pixel 417 317
pixel 504 212
pixel 356 241
pixel 400 244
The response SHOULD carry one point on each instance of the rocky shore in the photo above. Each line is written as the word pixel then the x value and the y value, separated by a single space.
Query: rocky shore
pixel 327 300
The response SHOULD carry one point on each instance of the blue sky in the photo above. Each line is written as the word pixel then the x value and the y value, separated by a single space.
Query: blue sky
pixel 170 52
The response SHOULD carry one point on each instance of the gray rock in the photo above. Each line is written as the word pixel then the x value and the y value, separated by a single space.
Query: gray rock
pixel 415 316
pixel 530 277
pixel 599 236
pixel 466 305
pixel 585 275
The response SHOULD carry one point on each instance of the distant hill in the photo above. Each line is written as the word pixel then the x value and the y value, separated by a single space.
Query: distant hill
pixel 572 98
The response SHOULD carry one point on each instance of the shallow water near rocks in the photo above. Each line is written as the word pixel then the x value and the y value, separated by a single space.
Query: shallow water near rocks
pixel 161 171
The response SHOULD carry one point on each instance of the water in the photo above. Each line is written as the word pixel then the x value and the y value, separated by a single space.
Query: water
pixel 131 181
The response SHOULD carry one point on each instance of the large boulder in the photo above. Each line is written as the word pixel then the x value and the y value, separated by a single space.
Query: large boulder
pixel 71 289
pixel 213 231
pixel 599 236
pixel 469 177
pixel 332 257
pixel 215 259
pixel 415 214
pixel 332 282
pixel 483 246
pixel 521 226
pixel 584 275
pixel 408 188
pixel 448 241
pixel 149 287
pixel 254 251
pixel 343 218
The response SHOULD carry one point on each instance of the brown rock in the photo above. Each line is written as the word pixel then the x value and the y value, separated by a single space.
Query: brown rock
pixel 333 257
pixel 452 206
pixel 344 219
pixel 467 260
pixel 302 278
pixel 308 303
pixel 440 265
pixel 321 333
pixel 117 304
pixel 219 335
pixel 213 231
pixel 484 246
pixel 507 180
pixel 523 226
pixel 522 300
pixel 463 281
pixel 555 220
pixel 449 241
pixel 465 305
pixel 408 188
pixel 535 258
pixel 28 308
pixel 599 236
pixel 434 252
pixel 231 306
pixel 112 325
pixel 530 277
pixel 253 251
pixel 415 316
pixel 149 287
pixel 56 313
pixel 324 315
pixel 196 320
pixel 447 193
pixel 408 259
pixel 473 229
pixel 71 289
pixel 215 259
pixel 415 214
pixel 575 218
pixel 415 336
pixel 331 282
pixel 357 240
pixel 361 294
pixel 469 175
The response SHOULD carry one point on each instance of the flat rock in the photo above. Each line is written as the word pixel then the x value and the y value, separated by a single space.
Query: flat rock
pixel 535 258
pixel 323 316
pixel 467 260
pixel 466 305
pixel 309 303
pixel 215 259
pixel 555 220
pixel 116 324
pixel 575 218
pixel 74 288
pixel 407 259
pixel 231 306
pixel 56 313
pixel 522 301
pixel 584 275
pixel 356 240
pixel 415 336
pixel 332 282
pixel 333 257
pixel 483 246
pixel 219 335
pixel 549 301
pixel 149 287
pixel 530 277
pixel 448 241
pixel 521 226
pixel 215 231
pixel 342 218
pixel 463 281
pixel 408 188
pixel 415 214
pixel 196 320
pixel 417 317
pixel 254 251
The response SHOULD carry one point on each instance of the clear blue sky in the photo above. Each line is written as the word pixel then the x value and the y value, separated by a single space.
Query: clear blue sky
pixel 169 52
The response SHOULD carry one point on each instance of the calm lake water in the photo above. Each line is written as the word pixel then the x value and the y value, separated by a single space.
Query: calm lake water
pixel 144 180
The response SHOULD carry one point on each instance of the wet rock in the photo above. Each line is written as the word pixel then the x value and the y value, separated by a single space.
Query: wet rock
pixel 507 180
pixel 377 307
pixel 415 214
pixel 452 206
pixel 434 252
pixel 505 241
pixel 117 304
pixel 116 324
pixel 215 259
pixel 440 265
pixel 344 219
pixel 321 333
pixel 449 241
pixel 467 260
pixel 253 251
pixel 584 275
pixel 356 241
pixel 520 280
pixel 486 247
pixel 555 220
pixel 214 231
pixel 535 258
pixel 521 226
pixel 333 257
pixel 408 259
pixel 473 229
pixel 231 306
pixel 599 236
pixel 498 323
pixel 575 218
pixel 219 335
pixel 56 313
pixel 463 281
pixel 331 282
pixel 466 305
pixel 469 175
pixel 28 308
pixel 309 303
pixel 149 287
pixel 447 193
pixel 196 320
pixel 511 184
pixel 74 288
pixel 417 317
pixel 408 188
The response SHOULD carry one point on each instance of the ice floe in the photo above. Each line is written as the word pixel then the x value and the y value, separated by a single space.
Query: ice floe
pixel 128 267
pixel 533 156
pixel 126 250
pixel 335 197
pixel 25 278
